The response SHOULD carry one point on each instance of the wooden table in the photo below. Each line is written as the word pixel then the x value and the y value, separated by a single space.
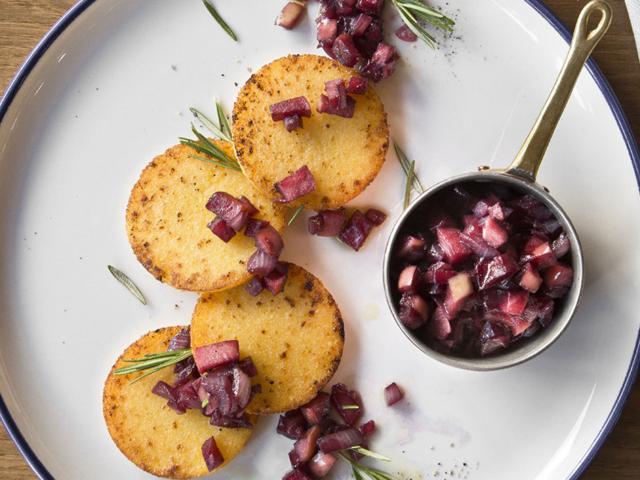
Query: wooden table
pixel 23 22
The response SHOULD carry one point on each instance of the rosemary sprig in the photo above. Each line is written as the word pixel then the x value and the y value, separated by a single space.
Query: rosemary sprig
pixel 128 283
pixel 218 131
pixel 369 453
pixel 295 214
pixel 415 14
pixel 407 188
pixel 360 472
pixel 405 164
pixel 206 146
pixel 214 13
pixel 153 362
pixel 223 122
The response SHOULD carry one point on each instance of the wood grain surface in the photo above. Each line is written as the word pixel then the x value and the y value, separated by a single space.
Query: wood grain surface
pixel 22 24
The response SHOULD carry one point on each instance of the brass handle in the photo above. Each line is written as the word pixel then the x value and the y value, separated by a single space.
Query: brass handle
pixel 529 158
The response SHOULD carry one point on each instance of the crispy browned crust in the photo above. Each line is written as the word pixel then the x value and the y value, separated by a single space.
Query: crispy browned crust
pixel 295 338
pixel 344 155
pixel 167 221
pixel 148 432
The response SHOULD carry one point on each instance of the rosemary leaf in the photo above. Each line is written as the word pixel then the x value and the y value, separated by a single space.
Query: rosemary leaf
pixel 214 13
pixel 153 362
pixel 360 471
pixel 414 13
pixel 369 453
pixel 404 163
pixel 210 125
pixel 407 188
pixel 223 122
pixel 216 162
pixel 350 407
pixel 295 214
pixel 128 283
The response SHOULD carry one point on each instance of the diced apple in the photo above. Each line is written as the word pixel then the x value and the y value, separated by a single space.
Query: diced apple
pixel 493 233
pixel 531 279
pixel 408 279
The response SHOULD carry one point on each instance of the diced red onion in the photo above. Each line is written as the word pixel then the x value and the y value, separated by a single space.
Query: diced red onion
pixel 269 241
pixel 254 287
pixel 296 474
pixel 357 85
pixel 276 280
pixel 340 396
pixel 212 456
pixel 235 212
pixel 393 394
pixel 561 245
pixel 368 428
pixel 490 272
pixel 221 229
pixel 241 387
pixel 344 50
pixel 287 108
pixel 405 34
pixel 356 231
pixel 229 421
pixel 414 311
pixel 327 223
pixel 439 272
pixel 292 122
pixel 321 464
pixel 290 15
pixel 248 367
pixel 360 24
pixel 181 340
pixel 306 447
pixel 370 6
pixel 327 30
pixel 261 264
pixel 292 424
pixel 451 242
pixel 514 302
pixel 296 185
pixel 317 409
pixel 375 217
pixel 253 226
pixel 340 440
pixel 214 355
pixel 412 248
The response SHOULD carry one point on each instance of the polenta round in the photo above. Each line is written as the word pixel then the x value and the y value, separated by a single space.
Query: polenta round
pixel 167 221
pixel 295 338
pixel 343 154
pixel 152 435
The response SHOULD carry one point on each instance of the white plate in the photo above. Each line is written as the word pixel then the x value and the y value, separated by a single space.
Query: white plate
pixel 109 88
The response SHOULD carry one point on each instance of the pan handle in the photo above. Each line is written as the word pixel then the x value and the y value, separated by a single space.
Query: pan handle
pixel 585 39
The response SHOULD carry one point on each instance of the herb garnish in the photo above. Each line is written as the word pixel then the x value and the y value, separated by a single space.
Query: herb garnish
pixel 128 283
pixel 153 362
pixel 295 214
pixel 407 189
pixel 405 164
pixel 350 407
pixel 214 13
pixel 415 14
pixel 361 472
pixel 222 131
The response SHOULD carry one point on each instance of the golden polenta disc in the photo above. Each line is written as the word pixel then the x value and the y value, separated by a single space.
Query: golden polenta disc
pixel 152 435
pixel 295 338
pixel 343 154
pixel 167 221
